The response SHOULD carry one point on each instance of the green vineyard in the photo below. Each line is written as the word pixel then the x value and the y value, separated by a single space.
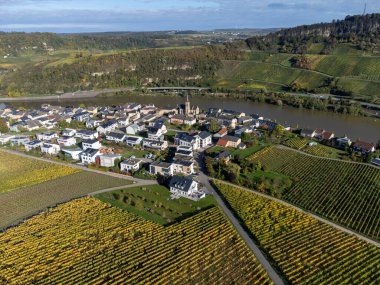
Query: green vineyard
pixel 346 193
pixel 89 242
pixel 306 250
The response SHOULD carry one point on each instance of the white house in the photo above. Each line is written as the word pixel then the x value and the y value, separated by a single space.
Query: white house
pixel 183 139
pixel 94 144
pixel 155 133
pixel 74 153
pixel 205 139
pixel 87 134
pixel 133 140
pixel 155 144
pixel 50 148
pixel 89 155
pixel 130 165
pixel 47 136
pixel 135 128
pixel 183 150
pixel 68 132
pixel 20 140
pixel 33 145
pixel 107 127
pixel 185 187
pixel 115 137
pixel 66 141
pixel 108 160
pixel 6 138
pixel 92 123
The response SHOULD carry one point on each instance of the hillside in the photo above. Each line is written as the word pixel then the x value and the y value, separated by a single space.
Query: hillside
pixel 362 31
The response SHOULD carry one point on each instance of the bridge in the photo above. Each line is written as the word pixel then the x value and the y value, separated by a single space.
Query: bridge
pixel 177 89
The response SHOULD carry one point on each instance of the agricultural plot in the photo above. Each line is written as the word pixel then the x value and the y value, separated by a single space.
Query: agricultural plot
pixel 306 250
pixel 346 193
pixel 16 171
pixel 297 142
pixel 89 242
pixel 153 203
pixel 21 203
pixel 324 151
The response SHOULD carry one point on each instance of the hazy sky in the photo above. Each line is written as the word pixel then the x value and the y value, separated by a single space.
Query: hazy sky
pixel 148 15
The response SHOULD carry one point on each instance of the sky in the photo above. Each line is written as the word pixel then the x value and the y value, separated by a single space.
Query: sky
pixel 67 16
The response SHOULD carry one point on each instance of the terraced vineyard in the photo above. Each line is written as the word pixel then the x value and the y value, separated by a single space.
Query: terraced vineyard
pixel 346 193
pixel 297 143
pixel 306 250
pixel 88 242
pixel 16 171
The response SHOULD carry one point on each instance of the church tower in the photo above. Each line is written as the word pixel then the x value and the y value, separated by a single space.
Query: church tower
pixel 187 106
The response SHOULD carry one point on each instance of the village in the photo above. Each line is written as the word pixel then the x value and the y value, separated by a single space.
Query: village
pixel 154 143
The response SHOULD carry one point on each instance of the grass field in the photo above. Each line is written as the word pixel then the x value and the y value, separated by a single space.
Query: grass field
pixel 306 250
pixel 17 171
pixel 21 203
pixel 89 242
pixel 346 193
pixel 153 203
pixel 241 153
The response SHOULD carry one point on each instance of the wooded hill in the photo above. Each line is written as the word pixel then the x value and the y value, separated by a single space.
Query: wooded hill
pixel 363 31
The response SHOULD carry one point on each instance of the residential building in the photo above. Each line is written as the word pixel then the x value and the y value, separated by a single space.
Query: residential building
pixel 87 134
pixel 205 139
pixel 4 139
pixel 33 145
pixel 67 141
pixel 161 168
pixel 108 160
pixel 307 133
pixel 230 141
pixel 183 166
pixel 133 140
pixel 116 137
pixel 68 132
pixel 47 136
pixel 89 155
pixel 20 140
pixel 155 144
pixel 94 144
pixel 363 147
pixel 50 148
pixel 185 187
pixel 184 139
pixel 130 165
pixel 75 154
pixel 221 133
pixel 107 127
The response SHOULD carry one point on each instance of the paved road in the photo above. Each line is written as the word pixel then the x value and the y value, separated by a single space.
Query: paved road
pixel 205 181
pixel 149 182
pixel 257 252
pixel 375 243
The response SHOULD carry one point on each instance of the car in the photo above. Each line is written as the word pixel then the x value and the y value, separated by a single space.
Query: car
pixel 133 156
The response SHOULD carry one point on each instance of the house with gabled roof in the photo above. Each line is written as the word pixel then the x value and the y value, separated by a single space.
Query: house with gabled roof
pixel 363 147
pixel 185 187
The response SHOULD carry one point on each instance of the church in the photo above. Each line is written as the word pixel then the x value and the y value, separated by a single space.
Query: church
pixel 188 110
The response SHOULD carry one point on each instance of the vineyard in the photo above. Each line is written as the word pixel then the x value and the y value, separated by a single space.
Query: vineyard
pixel 346 193
pixel 306 250
pixel 324 151
pixel 26 201
pixel 89 242
pixel 297 143
pixel 16 171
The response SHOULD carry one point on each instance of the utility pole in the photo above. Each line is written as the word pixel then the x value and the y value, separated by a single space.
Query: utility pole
pixel 365 9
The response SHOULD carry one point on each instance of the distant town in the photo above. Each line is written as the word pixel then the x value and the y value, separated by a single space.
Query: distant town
pixel 146 141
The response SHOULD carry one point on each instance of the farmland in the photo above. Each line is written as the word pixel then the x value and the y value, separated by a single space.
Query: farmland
pixel 21 203
pixel 89 242
pixel 154 203
pixel 16 171
pixel 306 250
pixel 346 193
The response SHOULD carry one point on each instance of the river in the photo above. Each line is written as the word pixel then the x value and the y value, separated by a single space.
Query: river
pixel 354 127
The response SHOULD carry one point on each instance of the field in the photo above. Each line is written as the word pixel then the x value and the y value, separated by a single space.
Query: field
pixel 88 242
pixel 154 203
pixel 306 250
pixel 21 203
pixel 325 151
pixel 17 171
pixel 297 142
pixel 241 153
pixel 346 193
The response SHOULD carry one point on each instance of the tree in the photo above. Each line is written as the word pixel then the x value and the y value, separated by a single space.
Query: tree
pixel 3 126
pixel 213 126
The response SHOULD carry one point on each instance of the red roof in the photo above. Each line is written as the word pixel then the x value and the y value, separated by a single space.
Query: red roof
pixel 222 142
pixel 364 145
pixel 327 135
pixel 223 131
